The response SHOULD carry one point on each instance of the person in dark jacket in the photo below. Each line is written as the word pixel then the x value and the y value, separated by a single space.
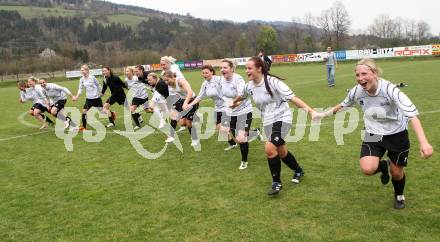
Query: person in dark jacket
pixel 116 86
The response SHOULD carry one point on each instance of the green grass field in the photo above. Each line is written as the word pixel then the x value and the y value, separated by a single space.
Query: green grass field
pixel 106 191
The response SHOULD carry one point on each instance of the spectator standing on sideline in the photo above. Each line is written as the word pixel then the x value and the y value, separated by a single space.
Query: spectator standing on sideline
pixel 267 61
pixel 331 65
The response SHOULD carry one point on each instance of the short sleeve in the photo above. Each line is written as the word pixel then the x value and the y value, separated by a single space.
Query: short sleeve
pixel 202 92
pixel 349 99
pixel 282 89
pixel 402 101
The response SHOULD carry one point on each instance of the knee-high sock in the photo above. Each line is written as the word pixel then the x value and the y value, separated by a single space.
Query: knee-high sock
pixel 244 149
pixel 47 119
pixel 291 162
pixel 399 186
pixel 84 120
pixel 275 168
pixel 193 133
pixel 173 124
pixel 135 117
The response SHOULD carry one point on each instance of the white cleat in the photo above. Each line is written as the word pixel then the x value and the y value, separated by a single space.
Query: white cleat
pixel 110 125
pixel 195 143
pixel 243 165
pixel 231 147
pixel 181 129
pixel 44 126
pixel 136 127
pixel 169 140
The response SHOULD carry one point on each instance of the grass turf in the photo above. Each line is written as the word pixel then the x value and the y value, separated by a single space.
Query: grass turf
pixel 106 191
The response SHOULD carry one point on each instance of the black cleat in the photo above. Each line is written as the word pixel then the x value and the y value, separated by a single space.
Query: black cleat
pixel 385 177
pixel 275 189
pixel 399 202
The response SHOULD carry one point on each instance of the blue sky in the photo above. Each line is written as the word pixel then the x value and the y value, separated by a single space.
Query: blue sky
pixel 362 12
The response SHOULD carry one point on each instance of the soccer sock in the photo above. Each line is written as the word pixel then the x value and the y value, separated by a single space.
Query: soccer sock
pixel 291 162
pixel 231 142
pixel 84 120
pixel 173 124
pixel 61 117
pixel 73 124
pixel 382 167
pixel 135 117
pixel 110 118
pixel 244 149
pixel 193 133
pixel 399 186
pixel 47 119
pixel 252 134
pixel 275 168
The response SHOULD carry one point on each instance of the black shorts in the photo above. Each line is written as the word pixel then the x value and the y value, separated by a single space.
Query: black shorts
pixel 276 132
pixel 186 114
pixel 40 107
pixel 59 104
pixel 242 122
pixel 116 99
pixel 397 146
pixel 218 116
pixel 138 101
pixel 97 102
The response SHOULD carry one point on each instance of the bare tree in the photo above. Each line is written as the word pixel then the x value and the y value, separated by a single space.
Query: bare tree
pixel 340 23
pixel 325 25
pixel 422 30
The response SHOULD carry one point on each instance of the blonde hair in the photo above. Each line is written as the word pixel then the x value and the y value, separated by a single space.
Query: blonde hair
pixel 168 59
pixel 371 64
pixel 130 69
pixel 153 75
pixel 85 67
pixel 32 78
pixel 172 78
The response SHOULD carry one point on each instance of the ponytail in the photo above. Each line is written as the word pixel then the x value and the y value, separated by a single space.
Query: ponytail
pixel 266 84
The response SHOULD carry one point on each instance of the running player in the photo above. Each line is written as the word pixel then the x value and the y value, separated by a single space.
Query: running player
pixel 116 86
pixel 93 94
pixel 180 95
pixel 271 95
pixel 31 91
pixel 142 76
pixel 211 89
pixel 57 96
pixel 160 95
pixel 387 114
pixel 238 120
pixel 140 94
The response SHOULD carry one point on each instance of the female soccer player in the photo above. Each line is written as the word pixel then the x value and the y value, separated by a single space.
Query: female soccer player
pixel 238 120
pixel 160 94
pixel 387 113
pixel 116 86
pixel 93 94
pixel 140 94
pixel 271 96
pixel 167 63
pixel 211 88
pixel 57 96
pixel 31 91
pixel 180 90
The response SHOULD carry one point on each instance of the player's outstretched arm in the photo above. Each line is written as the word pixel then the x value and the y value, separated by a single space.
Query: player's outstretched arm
pixel 426 149
pixel 301 104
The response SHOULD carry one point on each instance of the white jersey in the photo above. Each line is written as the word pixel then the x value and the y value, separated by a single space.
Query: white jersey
pixel 212 89
pixel 273 108
pixel 230 89
pixel 93 90
pixel 55 92
pixel 176 70
pixel 385 113
pixel 34 94
pixel 138 88
pixel 177 90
